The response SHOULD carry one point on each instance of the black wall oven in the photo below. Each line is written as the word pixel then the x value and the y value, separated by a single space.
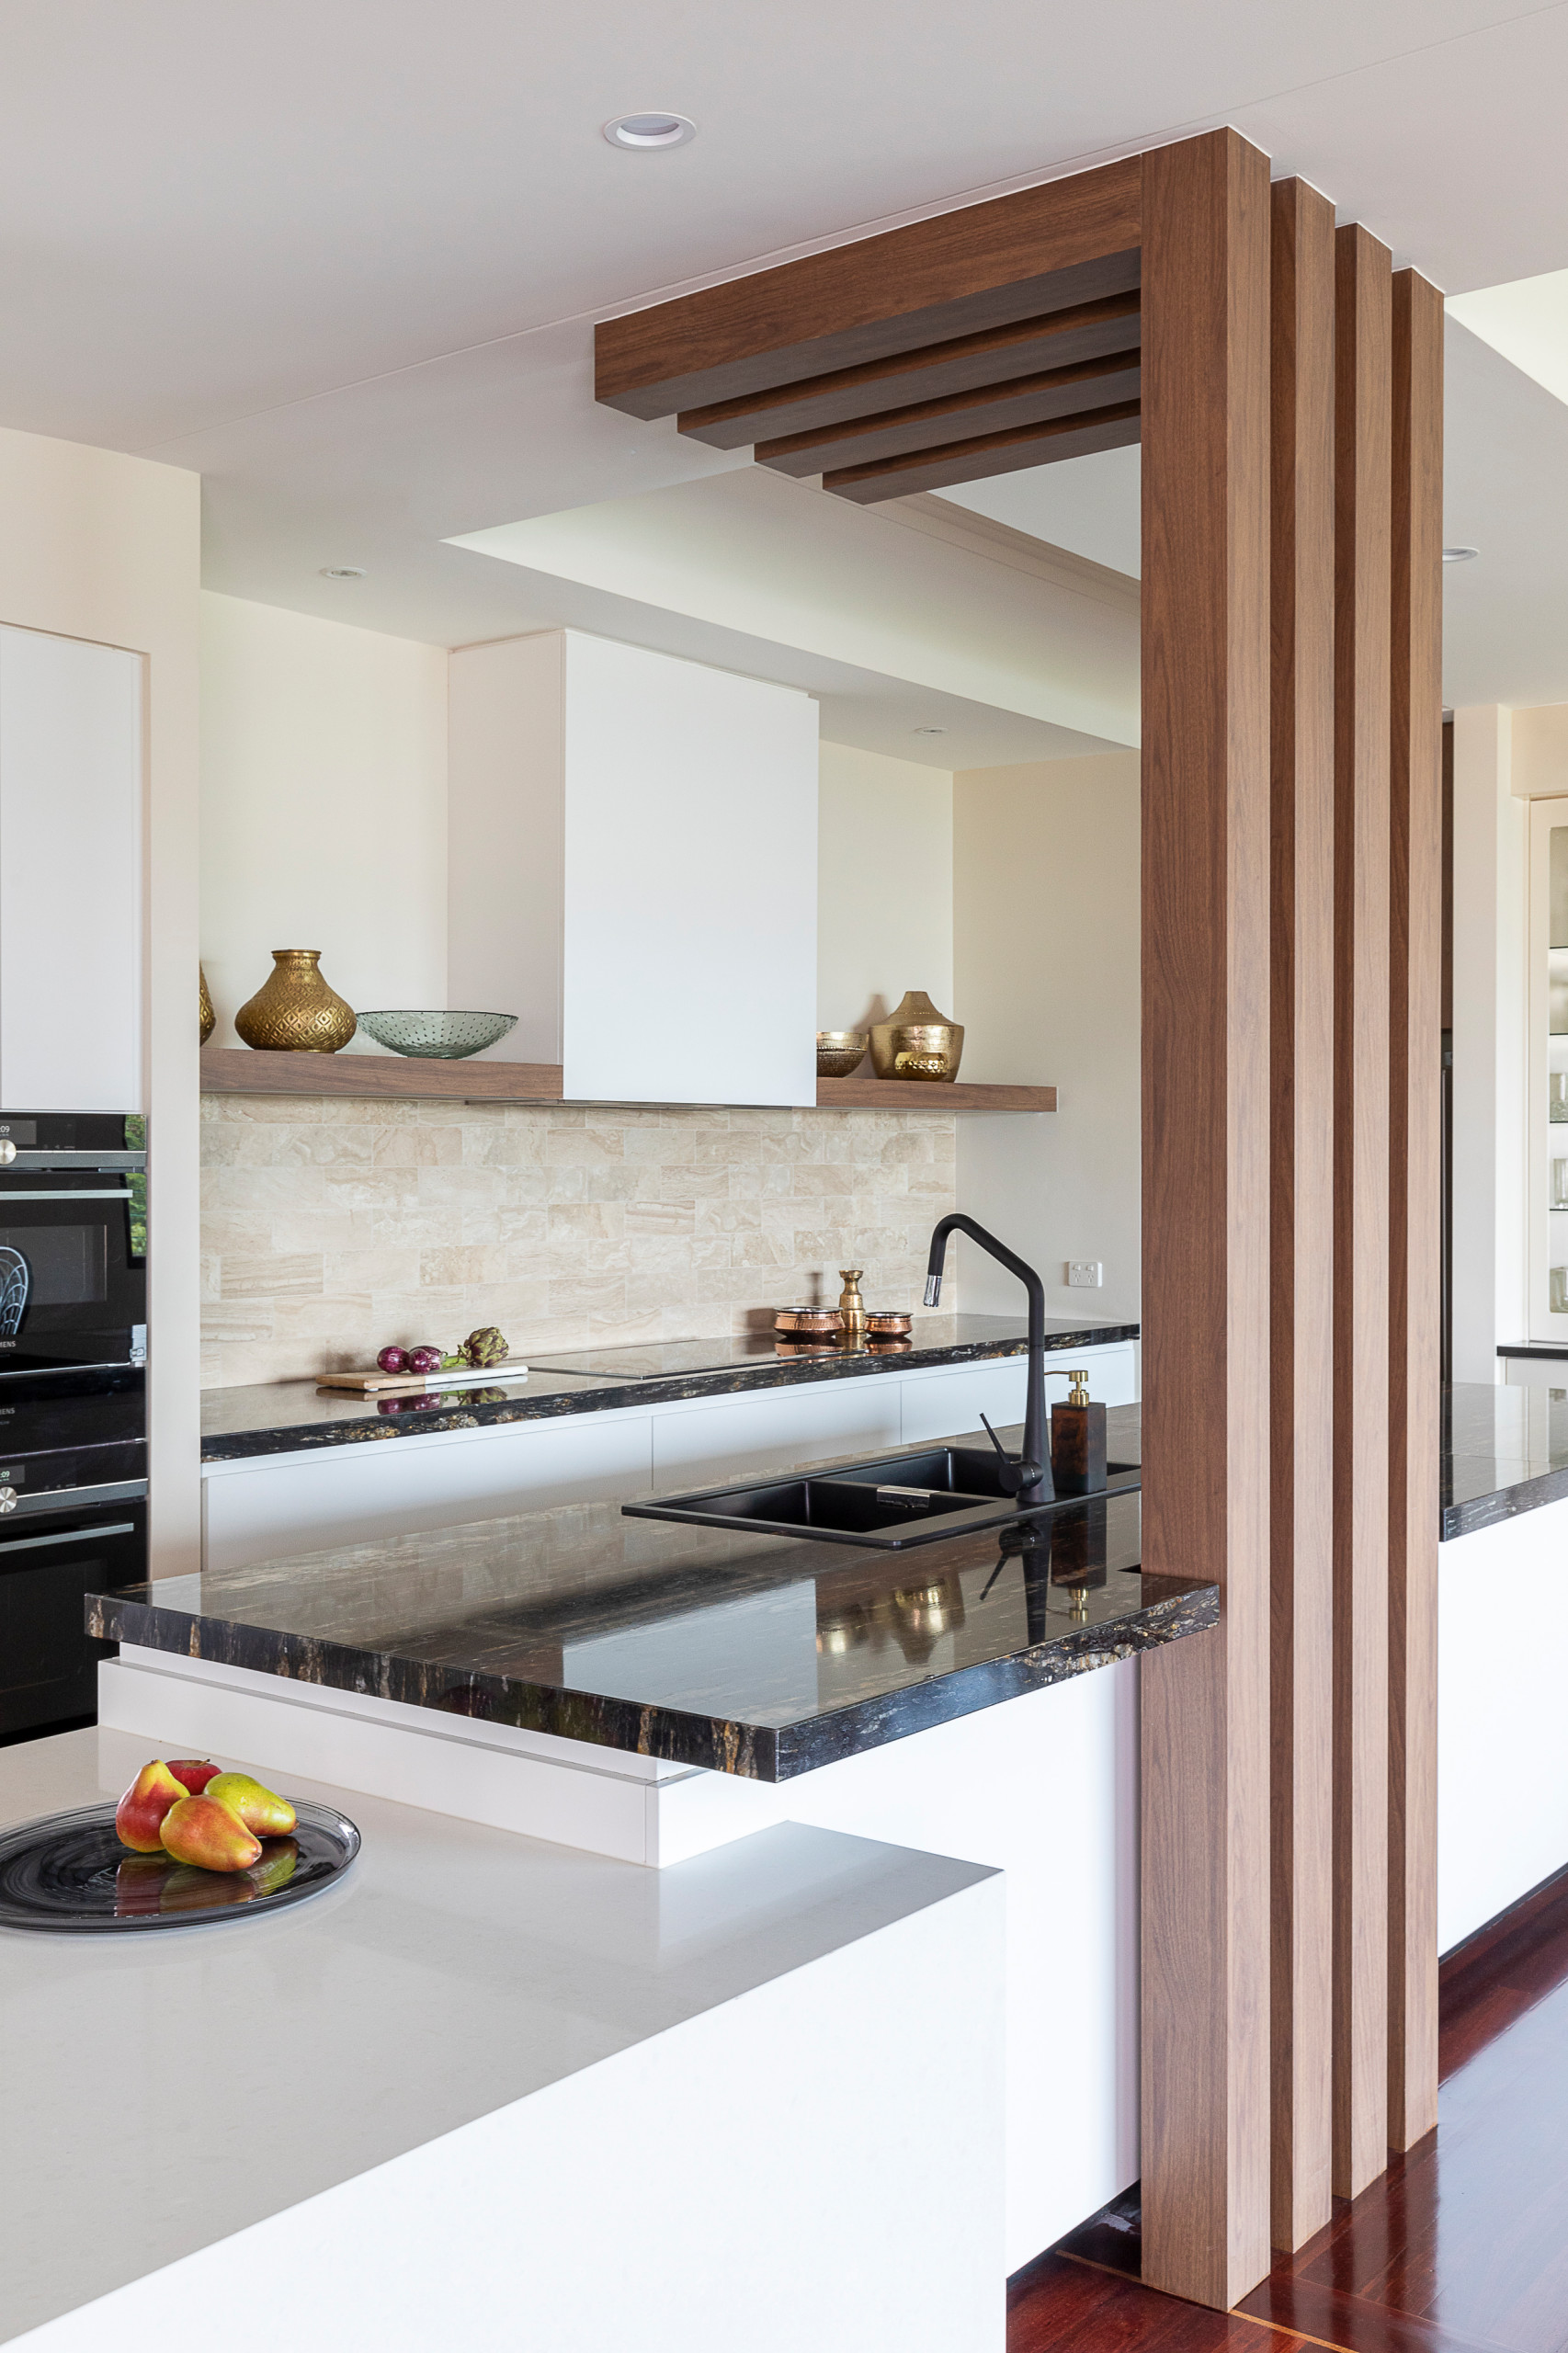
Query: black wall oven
pixel 72 1405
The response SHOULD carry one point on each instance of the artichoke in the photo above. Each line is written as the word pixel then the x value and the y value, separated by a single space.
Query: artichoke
pixel 487 1346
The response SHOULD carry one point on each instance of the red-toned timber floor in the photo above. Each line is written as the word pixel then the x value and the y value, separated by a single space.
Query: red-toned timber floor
pixel 1461 2247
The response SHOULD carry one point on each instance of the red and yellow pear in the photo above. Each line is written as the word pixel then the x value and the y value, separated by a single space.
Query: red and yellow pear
pixel 259 1808
pixel 139 1817
pixel 193 1773
pixel 203 1831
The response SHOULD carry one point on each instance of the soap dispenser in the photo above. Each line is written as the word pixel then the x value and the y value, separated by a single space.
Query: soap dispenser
pixel 1077 1439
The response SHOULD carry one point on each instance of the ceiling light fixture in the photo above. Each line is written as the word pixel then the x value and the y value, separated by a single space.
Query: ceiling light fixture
pixel 650 130
pixel 1460 555
pixel 343 572
pixel 927 731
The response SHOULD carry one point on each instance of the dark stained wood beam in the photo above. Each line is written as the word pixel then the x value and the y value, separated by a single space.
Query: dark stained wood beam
pixel 988 453
pixel 1363 359
pixel 1027 348
pixel 1302 1228
pixel 1205 1844
pixel 930 425
pixel 1414 1201
pixel 983 266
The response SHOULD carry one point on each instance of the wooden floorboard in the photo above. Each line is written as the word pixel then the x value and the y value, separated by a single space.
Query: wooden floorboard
pixel 1461 2246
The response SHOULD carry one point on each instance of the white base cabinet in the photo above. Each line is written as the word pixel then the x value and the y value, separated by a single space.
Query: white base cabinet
pixel 282 1503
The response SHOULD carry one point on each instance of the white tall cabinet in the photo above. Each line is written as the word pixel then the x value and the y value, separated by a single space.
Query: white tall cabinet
pixel 1547 1069
pixel 71 826
pixel 632 869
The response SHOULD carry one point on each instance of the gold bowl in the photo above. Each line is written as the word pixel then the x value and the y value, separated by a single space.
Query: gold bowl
pixel 840 1051
pixel 916 1042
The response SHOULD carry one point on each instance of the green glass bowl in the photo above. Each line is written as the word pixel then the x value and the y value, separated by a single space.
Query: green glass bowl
pixel 443 1036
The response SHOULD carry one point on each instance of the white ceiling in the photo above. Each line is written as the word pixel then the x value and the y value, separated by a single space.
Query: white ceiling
pixel 346 261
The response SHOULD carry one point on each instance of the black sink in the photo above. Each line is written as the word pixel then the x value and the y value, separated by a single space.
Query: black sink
pixel 895 1500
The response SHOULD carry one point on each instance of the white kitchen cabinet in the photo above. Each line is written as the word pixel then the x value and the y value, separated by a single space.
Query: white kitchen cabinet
pixel 774 1425
pixel 632 870
pixel 348 1494
pixel 71 764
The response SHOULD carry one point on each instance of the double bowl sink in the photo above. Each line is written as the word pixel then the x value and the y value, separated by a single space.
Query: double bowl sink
pixel 891 1502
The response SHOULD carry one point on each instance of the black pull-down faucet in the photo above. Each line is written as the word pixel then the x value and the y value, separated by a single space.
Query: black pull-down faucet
pixel 1033 1466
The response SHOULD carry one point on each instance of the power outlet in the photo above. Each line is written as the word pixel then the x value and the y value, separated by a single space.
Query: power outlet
pixel 1085 1274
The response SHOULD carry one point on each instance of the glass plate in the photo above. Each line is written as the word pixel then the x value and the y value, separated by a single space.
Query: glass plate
pixel 69 1872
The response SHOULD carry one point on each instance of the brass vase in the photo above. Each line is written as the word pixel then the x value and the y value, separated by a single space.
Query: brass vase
pixel 209 1018
pixel 295 1012
pixel 916 1041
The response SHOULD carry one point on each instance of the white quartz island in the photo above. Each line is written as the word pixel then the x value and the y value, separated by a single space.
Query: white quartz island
pixel 488 2092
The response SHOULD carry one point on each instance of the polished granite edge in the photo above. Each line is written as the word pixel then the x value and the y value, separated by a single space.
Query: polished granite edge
pixel 754 1752
pixel 356 1427
pixel 1489 1510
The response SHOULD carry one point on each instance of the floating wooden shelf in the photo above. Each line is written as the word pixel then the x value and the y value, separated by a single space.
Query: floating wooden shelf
pixel 231 1070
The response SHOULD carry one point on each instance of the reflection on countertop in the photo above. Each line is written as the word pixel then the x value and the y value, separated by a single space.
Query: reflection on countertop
pixel 281 1417
pixel 764 1656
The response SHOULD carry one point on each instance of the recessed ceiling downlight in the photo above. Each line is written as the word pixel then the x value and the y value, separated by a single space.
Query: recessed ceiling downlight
pixel 927 731
pixel 650 130
pixel 1460 555
pixel 343 572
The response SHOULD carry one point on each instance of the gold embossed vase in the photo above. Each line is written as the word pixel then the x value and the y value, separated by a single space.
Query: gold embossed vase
pixel 209 1018
pixel 295 1012
pixel 916 1041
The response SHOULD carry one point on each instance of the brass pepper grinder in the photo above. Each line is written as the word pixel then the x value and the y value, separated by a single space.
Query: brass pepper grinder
pixel 1077 1439
pixel 851 1308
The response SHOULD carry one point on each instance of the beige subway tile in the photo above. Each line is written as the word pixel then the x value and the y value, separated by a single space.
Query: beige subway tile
pixel 658 1220
pixel 424 1146
pixel 211 1285
pixel 588 1295
pixel 581 1147
pixel 728 1217
pixel 460 1264
pixel 268 1110
pixel 240 1319
pixel 267 1276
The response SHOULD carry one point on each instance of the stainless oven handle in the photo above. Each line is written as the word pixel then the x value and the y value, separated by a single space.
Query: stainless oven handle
pixel 78 1536
pixel 67 1193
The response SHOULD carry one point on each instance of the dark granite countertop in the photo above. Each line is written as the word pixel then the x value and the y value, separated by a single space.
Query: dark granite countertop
pixel 1504 1452
pixel 283 1417
pixel 758 1655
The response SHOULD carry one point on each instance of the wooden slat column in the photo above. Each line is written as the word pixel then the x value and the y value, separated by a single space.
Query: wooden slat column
pixel 1362 536
pixel 1415 1202
pixel 1206 984
pixel 1302 1237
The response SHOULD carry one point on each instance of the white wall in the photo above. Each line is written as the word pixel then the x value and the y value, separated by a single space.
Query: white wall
pixel 884 886
pixel 98 545
pixel 1046 974
pixel 324 807
pixel 1491 857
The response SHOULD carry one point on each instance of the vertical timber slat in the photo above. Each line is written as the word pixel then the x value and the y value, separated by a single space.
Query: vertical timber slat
pixel 1206 1177
pixel 1363 352
pixel 1414 1201
pixel 1302 1238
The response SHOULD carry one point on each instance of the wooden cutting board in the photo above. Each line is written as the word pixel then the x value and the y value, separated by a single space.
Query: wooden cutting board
pixel 386 1384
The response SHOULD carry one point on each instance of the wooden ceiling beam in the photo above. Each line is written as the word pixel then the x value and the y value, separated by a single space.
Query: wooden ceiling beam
pixel 988 453
pixel 983 266
pixel 966 363
pixel 931 425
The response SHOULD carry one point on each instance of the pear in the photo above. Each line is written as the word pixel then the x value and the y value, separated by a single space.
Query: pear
pixel 259 1808
pixel 200 1830
pixel 193 1773
pixel 138 1816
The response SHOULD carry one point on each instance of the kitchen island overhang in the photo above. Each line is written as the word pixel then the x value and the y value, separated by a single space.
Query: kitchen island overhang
pixel 760 1657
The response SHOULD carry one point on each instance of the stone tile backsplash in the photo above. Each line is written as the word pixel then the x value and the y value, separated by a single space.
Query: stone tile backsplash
pixel 328 1227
